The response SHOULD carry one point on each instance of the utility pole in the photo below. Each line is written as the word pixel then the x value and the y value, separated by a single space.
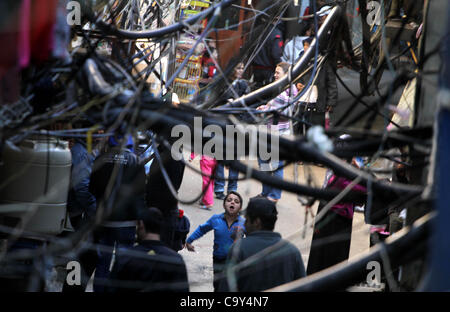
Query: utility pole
pixel 438 271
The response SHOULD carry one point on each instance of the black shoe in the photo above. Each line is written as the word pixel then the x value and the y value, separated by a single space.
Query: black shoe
pixel 220 195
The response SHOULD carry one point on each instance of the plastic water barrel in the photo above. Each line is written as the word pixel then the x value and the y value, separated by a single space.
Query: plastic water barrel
pixel 34 184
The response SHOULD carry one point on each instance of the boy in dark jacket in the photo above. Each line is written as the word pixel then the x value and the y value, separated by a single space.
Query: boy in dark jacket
pixel 118 183
pixel 265 259
pixel 151 265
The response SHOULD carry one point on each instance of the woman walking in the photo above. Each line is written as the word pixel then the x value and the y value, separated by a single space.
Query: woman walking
pixel 208 167
pixel 282 126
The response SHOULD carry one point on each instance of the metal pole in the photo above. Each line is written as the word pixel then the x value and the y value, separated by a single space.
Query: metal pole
pixel 273 89
pixel 438 278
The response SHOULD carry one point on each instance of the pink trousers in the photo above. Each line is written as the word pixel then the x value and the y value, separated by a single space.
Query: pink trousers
pixel 208 166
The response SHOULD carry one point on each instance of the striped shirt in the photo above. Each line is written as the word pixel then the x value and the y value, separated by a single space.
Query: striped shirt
pixel 282 100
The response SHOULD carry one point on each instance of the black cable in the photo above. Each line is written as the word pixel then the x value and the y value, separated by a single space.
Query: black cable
pixel 275 88
pixel 359 99
pixel 378 70
pixel 289 150
pixel 170 184
pixel 160 32
pixel 400 81
pixel 402 249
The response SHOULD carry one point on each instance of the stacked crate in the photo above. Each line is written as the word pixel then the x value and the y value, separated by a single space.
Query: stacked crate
pixel 186 85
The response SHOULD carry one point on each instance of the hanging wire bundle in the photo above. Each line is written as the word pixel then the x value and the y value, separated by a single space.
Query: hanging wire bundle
pixel 122 74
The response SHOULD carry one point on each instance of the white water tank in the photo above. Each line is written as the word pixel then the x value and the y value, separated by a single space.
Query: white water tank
pixel 34 184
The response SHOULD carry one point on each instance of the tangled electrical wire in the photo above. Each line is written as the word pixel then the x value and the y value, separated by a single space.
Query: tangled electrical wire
pixel 111 92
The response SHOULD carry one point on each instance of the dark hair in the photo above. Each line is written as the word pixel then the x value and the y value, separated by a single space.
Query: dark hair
pixel 232 64
pixel 308 40
pixel 342 143
pixel 311 27
pixel 235 67
pixel 265 210
pixel 234 193
pixel 152 219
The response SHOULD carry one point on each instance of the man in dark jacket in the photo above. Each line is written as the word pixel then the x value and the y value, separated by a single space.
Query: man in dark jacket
pixel 326 82
pixel 328 92
pixel 118 183
pixel 158 194
pixel 268 57
pixel 263 259
pixel 81 205
pixel 151 265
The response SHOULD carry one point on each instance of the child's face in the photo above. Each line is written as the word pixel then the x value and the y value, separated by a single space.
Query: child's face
pixel 239 71
pixel 232 204
pixel 306 46
pixel 279 72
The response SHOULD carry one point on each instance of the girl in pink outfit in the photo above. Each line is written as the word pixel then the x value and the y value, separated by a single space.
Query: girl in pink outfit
pixel 208 167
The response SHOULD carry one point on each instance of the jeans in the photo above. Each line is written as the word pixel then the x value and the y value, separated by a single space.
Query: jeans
pixel 219 183
pixel 277 171
pixel 218 267
pixel 108 238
